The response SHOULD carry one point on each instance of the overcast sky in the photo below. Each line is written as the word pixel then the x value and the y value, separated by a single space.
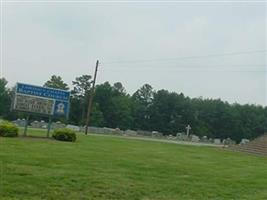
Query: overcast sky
pixel 168 45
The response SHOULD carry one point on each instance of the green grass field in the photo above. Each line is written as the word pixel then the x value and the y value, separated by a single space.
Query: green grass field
pixel 103 167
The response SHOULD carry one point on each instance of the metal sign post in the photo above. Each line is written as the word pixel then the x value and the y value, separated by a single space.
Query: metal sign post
pixel 49 126
pixel 26 126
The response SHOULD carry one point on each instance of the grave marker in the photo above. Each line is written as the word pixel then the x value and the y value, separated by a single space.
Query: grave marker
pixel 188 128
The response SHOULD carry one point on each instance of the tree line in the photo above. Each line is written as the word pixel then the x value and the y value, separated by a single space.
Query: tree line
pixel 151 110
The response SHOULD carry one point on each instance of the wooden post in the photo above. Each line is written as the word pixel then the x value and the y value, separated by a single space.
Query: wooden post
pixel 91 100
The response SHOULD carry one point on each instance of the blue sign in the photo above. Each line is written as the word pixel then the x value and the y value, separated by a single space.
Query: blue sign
pixel 45 92
pixel 42 100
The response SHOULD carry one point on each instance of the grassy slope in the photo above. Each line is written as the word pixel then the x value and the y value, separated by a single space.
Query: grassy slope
pixel 114 168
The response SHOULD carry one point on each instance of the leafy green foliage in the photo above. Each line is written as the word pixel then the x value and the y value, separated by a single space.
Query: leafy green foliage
pixel 82 86
pixel 64 134
pixel 79 98
pixel 57 83
pixel 5 98
pixel 97 118
pixel 147 109
pixel 8 129
pixel 118 89
pixel 115 105
pixel 142 100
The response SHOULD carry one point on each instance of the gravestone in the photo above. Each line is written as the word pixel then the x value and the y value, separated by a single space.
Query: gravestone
pixel 144 133
pixel 92 129
pixel 228 141
pixel 188 128
pixel 105 130
pixel 118 131
pixel 171 137
pixel 73 127
pixel 58 124
pixel 37 124
pixel 179 136
pixel 204 139
pixel 156 134
pixel 43 124
pixel 244 141
pixel 195 138
pixel 217 141
pixel 20 122
pixel 109 130
pixel 182 137
pixel 130 132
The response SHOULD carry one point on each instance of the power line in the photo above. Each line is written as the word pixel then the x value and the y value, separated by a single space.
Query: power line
pixel 182 58
pixel 137 1
pixel 193 66
pixel 194 70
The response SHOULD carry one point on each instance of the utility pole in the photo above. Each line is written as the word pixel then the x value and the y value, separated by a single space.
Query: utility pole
pixel 91 99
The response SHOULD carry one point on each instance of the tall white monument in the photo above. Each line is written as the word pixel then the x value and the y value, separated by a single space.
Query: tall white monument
pixel 188 128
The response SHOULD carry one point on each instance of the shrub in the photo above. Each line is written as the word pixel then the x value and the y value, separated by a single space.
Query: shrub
pixel 64 134
pixel 8 129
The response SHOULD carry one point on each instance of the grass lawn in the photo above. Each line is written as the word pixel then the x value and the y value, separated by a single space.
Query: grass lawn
pixel 106 167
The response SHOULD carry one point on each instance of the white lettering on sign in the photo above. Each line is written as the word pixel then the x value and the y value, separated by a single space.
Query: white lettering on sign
pixel 34 104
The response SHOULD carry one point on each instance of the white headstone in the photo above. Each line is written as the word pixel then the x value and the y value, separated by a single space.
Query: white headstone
pixel 195 138
pixel 188 128
pixel 217 141
pixel 75 128
pixel 244 141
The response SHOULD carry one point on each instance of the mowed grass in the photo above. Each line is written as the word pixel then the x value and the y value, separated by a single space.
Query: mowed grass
pixel 104 167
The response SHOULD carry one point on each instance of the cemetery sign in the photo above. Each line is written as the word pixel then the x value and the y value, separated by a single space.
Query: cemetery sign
pixel 41 100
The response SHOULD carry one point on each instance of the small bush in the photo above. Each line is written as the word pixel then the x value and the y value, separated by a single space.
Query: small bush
pixel 64 134
pixel 8 129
